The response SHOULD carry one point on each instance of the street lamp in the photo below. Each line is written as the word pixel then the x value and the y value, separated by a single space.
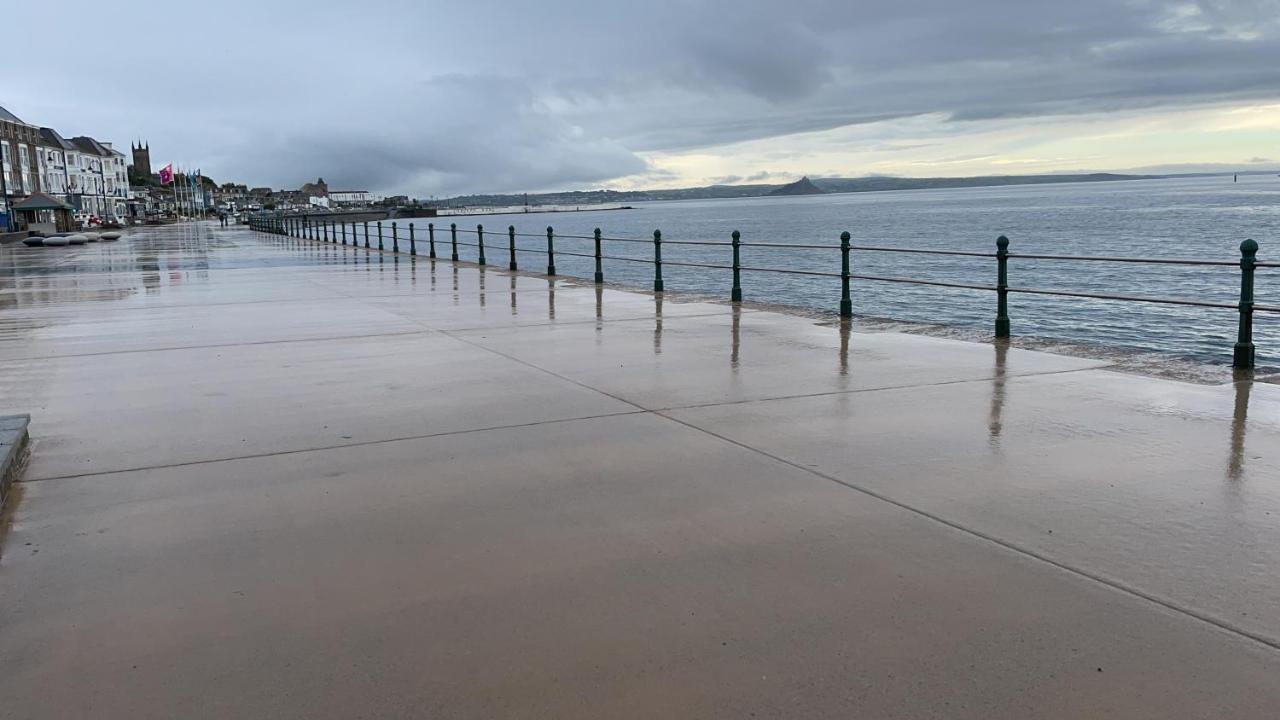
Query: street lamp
pixel 102 173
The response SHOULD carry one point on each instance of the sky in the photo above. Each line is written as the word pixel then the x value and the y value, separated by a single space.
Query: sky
pixel 446 98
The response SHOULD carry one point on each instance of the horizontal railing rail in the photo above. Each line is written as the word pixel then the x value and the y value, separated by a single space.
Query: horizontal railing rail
pixel 361 234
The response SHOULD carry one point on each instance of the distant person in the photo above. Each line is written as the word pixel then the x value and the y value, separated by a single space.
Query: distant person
pixel 222 219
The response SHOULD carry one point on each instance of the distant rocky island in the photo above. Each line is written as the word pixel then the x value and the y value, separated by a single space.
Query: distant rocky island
pixel 803 186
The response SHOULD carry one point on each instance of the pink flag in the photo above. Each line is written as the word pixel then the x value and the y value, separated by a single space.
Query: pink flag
pixel 166 174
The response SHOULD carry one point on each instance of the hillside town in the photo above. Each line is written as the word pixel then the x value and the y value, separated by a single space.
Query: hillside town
pixel 94 183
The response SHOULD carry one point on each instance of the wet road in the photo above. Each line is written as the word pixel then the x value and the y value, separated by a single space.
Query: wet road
pixel 277 479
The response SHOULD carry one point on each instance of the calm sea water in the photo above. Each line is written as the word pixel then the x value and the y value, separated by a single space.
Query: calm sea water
pixel 1204 218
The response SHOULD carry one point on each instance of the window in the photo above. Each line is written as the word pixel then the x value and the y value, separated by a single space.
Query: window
pixel 4 151
pixel 23 157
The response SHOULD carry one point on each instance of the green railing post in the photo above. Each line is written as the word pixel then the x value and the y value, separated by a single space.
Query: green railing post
pixel 480 241
pixel 1244 349
pixel 380 247
pixel 846 303
pixel 657 261
pixel 551 251
pixel 453 238
pixel 511 244
pixel 736 294
pixel 395 238
pixel 344 232
pixel 599 267
pixel 431 240
pixel 366 234
pixel 413 243
pixel 1002 287
pixel 326 231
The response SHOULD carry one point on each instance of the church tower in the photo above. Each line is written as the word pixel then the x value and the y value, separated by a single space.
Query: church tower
pixel 142 159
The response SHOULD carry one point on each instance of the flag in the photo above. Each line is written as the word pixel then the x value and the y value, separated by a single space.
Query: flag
pixel 166 174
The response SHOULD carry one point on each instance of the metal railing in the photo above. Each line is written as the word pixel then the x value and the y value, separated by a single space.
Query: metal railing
pixel 1243 352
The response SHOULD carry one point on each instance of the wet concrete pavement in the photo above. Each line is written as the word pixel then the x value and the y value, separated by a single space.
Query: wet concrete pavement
pixel 271 478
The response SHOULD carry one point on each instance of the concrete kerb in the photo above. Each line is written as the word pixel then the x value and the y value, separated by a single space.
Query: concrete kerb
pixel 13 451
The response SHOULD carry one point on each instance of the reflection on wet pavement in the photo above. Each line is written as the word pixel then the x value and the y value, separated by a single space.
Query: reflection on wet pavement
pixel 600 503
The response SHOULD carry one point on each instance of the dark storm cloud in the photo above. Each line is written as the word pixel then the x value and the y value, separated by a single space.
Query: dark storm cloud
pixel 484 95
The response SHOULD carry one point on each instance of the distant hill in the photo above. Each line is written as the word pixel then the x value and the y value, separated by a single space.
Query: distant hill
pixel 874 184
pixel 803 186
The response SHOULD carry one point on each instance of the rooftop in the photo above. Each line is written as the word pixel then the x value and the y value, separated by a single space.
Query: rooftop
pixel 53 139
pixel 7 116
pixel 89 145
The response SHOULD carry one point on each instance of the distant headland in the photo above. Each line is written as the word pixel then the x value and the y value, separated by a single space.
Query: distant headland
pixel 803 186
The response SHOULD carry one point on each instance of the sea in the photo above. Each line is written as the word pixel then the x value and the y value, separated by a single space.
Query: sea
pixel 1203 218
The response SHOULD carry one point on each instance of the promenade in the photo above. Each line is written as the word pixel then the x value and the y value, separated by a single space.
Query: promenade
pixel 272 478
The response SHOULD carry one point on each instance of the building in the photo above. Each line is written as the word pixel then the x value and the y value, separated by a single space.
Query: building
pixel 55 171
pixel 19 141
pixel 103 178
pixel 351 197
pixel 319 188
pixel 141 158
pixel 86 173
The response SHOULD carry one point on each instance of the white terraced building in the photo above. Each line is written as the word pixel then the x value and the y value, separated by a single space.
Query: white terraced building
pixel 87 173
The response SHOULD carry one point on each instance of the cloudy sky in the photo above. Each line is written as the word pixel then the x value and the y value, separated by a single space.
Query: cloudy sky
pixel 442 98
